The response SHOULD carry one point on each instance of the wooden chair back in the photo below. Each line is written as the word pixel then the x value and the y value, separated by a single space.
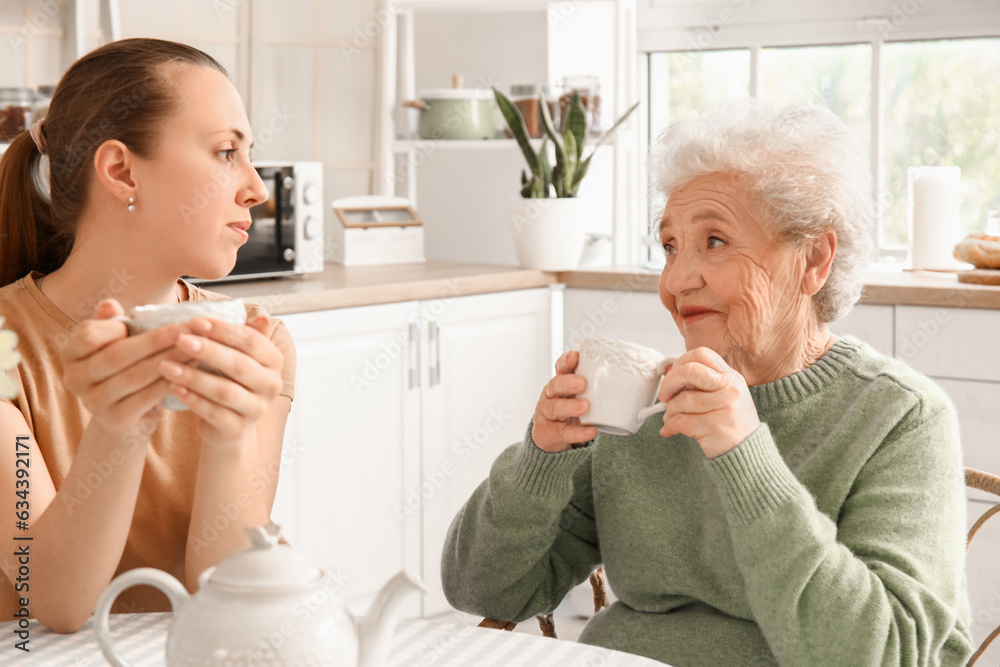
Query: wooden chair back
pixel 545 622
pixel 984 481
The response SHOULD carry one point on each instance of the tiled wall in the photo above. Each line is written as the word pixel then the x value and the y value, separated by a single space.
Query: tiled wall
pixel 306 68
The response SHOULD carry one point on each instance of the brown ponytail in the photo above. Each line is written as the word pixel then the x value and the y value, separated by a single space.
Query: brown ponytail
pixel 119 91
pixel 27 237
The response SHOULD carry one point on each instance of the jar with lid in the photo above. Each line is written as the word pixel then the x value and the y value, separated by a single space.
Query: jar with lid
pixel 16 105
pixel 588 87
pixel 43 100
pixel 525 97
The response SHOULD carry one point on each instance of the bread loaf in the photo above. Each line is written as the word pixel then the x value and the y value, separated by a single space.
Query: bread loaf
pixel 980 250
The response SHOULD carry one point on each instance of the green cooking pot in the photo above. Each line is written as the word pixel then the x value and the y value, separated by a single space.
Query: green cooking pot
pixel 455 113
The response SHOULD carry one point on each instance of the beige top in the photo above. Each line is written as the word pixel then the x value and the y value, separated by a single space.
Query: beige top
pixel 57 420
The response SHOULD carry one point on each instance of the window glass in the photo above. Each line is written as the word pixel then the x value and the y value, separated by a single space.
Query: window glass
pixel 682 84
pixel 942 106
pixel 836 77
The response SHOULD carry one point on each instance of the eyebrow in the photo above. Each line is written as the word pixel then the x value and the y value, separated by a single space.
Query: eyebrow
pixel 240 135
pixel 701 216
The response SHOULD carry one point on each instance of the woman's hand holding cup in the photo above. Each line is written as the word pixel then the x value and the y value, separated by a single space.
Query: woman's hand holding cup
pixel 232 400
pixel 556 426
pixel 707 400
pixel 117 376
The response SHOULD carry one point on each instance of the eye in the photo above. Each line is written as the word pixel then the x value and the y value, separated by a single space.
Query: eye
pixel 227 153
pixel 668 249
pixel 715 242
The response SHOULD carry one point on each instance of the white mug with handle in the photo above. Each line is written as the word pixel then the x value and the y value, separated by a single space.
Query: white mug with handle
pixel 623 379
pixel 155 316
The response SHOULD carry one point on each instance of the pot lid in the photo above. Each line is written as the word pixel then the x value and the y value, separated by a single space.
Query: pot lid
pixel 265 564
pixel 456 94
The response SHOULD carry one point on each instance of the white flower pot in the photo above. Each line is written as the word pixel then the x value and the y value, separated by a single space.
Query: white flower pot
pixel 550 233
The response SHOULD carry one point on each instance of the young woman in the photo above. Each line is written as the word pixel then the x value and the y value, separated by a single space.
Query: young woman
pixel 146 153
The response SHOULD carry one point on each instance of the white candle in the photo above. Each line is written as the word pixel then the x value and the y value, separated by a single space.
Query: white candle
pixel 932 210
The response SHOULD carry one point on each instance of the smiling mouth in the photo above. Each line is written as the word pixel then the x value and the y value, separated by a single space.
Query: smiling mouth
pixel 692 315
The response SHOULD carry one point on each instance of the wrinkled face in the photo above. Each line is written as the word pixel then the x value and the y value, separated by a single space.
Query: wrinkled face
pixel 728 283
pixel 195 192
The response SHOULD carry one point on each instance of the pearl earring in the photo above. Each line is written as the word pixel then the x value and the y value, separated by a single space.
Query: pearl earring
pixel 131 205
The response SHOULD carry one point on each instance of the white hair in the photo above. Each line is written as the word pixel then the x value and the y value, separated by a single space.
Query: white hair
pixel 804 171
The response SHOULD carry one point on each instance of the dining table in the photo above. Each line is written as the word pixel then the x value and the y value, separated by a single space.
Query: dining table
pixel 141 640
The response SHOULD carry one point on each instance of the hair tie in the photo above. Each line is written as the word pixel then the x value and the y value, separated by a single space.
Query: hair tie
pixel 37 136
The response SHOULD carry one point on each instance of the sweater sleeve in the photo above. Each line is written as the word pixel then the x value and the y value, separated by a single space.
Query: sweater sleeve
pixel 885 584
pixel 525 537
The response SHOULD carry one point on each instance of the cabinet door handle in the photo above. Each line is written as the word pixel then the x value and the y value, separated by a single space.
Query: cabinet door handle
pixel 435 340
pixel 414 355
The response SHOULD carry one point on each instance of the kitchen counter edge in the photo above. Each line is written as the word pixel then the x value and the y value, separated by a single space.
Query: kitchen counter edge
pixel 344 287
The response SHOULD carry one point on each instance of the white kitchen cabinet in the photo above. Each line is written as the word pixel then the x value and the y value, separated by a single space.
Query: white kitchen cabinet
pixel 869 323
pixel 984 580
pixel 351 444
pixel 399 412
pixel 976 404
pixel 949 342
pixel 489 357
pixel 621 313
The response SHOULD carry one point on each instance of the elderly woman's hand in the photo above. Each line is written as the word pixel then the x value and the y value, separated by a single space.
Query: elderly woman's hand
pixel 229 404
pixel 708 401
pixel 556 426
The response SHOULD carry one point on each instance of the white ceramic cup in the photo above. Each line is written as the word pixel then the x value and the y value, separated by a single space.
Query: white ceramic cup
pixel 623 380
pixel 156 316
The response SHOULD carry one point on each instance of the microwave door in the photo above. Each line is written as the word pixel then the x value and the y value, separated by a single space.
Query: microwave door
pixel 265 250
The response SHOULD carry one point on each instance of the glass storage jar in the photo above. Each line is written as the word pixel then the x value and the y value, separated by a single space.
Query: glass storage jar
pixel 42 101
pixel 525 97
pixel 16 105
pixel 589 88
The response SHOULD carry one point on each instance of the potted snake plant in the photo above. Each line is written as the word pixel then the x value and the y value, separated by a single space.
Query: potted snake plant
pixel 550 223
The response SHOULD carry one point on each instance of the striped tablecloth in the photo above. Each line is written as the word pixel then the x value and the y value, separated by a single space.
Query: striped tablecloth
pixel 416 643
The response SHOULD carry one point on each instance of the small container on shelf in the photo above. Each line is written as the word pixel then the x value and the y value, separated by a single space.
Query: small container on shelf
pixel 16 111
pixel 525 97
pixel 588 87
pixel 42 101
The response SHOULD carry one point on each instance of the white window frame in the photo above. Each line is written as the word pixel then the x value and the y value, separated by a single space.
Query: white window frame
pixel 682 25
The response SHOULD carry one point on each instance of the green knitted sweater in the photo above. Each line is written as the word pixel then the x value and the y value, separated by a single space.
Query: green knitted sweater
pixel 833 535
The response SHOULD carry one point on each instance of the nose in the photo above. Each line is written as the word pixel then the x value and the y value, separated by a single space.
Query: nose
pixel 682 273
pixel 254 191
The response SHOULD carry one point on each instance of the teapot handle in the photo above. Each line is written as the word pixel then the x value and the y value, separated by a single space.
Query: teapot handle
pixel 174 590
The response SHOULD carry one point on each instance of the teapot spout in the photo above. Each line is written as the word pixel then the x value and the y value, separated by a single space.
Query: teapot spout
pixel 375 629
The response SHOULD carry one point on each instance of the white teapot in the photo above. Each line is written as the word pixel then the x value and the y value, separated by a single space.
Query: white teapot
pixel 264 605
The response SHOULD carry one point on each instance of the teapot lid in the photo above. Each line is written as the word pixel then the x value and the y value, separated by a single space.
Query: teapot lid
pixel 265 564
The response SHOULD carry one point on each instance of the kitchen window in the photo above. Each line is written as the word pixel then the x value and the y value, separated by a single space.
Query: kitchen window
pixel 938 102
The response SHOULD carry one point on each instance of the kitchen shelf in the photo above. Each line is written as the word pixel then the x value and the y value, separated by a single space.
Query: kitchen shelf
pixel 407 145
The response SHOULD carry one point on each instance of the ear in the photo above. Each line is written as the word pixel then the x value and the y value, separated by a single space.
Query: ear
pixel 819 259
pixel 114 162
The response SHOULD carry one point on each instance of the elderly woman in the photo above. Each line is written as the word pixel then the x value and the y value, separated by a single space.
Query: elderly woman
pixel 801 500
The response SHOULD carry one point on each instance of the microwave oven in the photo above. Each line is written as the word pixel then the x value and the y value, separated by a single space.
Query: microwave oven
pixel 286 233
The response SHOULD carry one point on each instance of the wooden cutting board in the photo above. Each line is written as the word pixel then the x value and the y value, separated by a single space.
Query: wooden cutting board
pixel 980 276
